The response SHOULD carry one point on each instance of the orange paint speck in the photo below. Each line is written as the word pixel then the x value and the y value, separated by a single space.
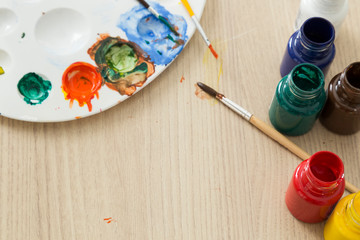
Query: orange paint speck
pixel 182 79
pixel 109 220
pixel 81 81
pixel 77 117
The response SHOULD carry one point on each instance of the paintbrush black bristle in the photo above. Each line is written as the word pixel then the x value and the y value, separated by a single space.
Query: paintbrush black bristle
pixel 208 89
pixel 144 3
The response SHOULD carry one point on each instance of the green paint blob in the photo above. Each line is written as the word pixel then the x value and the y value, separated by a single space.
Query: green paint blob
pixel 121 58
pixel 298 101
pixel 307 78
pixel 159 52
pixel 23 35
pixel 34 88
pixel 147 42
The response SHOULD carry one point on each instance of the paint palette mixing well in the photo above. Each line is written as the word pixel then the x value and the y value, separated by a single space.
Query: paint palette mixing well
pixel 62 60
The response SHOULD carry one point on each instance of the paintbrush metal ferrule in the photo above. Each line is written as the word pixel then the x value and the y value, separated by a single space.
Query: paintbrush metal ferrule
pixel 236 108
pixel 154 12
pixel 200 29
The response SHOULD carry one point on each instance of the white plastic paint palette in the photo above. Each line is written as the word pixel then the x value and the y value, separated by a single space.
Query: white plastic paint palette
pixel 43 42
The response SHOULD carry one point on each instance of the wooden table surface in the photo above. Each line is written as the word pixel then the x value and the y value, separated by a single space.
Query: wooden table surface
pixel 165 164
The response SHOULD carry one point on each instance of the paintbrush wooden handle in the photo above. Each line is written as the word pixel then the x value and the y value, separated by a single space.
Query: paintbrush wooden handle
pixel 278 137
pixel 351 188
pixel 292 147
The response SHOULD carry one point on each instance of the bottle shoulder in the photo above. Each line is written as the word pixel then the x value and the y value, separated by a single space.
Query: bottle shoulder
pixel 294 104
pixel 339 98
pixel 303 186
pixel 299 53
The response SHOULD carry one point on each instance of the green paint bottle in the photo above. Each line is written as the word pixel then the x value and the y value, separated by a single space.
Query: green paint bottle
pixel 298 101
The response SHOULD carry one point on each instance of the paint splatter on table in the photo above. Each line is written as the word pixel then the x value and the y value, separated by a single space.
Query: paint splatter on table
pixel 182 79
pixel 201 94
pixel 109 220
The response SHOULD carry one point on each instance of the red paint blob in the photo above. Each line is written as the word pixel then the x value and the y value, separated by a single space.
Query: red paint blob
pixel 81 81
pixel 323 173
pixel 316 186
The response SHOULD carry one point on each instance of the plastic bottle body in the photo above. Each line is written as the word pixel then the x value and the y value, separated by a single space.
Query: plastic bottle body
pixel 344 222
pixel 341 112
pixel 316 186
pixel 298 100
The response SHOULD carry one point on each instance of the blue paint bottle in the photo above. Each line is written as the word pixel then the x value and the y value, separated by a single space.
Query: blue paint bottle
pixel 298 101
pixel 312 43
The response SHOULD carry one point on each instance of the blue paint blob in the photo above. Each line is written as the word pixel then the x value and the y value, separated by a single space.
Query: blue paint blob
pixel 152 35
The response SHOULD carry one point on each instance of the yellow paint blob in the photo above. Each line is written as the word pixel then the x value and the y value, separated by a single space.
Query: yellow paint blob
pixel 1 71
pixel 344 222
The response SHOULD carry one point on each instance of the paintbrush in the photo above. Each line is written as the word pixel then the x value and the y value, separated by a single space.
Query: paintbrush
pixel 158 16
pixel 265 128
pixel 198 26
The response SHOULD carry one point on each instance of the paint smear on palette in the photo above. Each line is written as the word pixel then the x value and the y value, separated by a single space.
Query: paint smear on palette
pixel 123 64
pixel 2 71
pixel 153 36
pixel 81 82
pixel 34 88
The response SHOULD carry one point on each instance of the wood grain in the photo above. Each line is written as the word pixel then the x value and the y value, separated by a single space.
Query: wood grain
pixel 165 164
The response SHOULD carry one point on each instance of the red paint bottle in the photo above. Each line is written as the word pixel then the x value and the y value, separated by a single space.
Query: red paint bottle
pixel 316 186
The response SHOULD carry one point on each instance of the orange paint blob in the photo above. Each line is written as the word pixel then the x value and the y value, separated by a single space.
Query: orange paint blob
pixel 81 81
